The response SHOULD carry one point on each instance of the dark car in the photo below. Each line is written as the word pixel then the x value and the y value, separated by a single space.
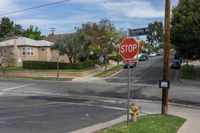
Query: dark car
pixel 159 54
pixel 131 65
pixel 177 57
pixel 176 64
pixel 143 58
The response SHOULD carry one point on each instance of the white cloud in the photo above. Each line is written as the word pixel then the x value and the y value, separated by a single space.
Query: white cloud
pixel 7 6
pixel 127 8
pixel 139 9
pixel 61 25
pixel 93 10
pixel 41 21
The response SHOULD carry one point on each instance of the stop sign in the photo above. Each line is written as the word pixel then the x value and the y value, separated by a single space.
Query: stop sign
pixel 128 48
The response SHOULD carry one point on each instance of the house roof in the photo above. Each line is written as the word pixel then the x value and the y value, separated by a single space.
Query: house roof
pixel 24 41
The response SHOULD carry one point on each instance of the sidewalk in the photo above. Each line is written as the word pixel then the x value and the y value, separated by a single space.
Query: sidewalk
pixel 91 78
pixel 191 115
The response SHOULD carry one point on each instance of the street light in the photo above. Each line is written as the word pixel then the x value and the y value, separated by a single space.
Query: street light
pixel 57 57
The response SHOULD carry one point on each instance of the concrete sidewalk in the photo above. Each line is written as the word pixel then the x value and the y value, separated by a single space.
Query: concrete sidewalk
pixel 91 78
pixel 192 116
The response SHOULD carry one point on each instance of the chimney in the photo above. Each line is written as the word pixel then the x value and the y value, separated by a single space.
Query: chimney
pixel 16 50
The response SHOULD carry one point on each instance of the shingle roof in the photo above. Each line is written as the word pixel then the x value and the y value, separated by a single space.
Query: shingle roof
pixel 24 41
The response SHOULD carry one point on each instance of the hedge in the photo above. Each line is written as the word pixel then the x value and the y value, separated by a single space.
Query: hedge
pixel 187 72
pixel 115 58
pixel 53 65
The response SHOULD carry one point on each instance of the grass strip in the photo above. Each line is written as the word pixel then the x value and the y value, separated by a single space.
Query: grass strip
pixel 187 72
pixel 37 78
pixel 149 124
pixel 109 72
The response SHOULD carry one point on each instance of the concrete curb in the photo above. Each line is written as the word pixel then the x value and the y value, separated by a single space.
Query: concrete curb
pixel 101 126
pixel 114 74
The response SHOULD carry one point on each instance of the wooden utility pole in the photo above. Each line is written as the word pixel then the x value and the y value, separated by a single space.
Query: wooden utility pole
pixel 52 30
pixel 166 57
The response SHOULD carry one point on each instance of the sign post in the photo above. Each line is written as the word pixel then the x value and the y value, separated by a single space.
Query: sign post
pixel 128 50
pixel 101 60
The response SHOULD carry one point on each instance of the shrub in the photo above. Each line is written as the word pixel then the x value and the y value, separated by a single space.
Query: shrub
pixel 115 58
pixel 53 65
pixel 187 72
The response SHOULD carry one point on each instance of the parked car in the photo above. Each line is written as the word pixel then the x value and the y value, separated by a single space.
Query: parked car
pixel 153 54
pixel 179 59
pixel 132 65
pixel 143 58
pixel 176 64
pixel 159 54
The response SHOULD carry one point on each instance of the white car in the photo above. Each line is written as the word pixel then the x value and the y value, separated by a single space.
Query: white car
pixel 152 54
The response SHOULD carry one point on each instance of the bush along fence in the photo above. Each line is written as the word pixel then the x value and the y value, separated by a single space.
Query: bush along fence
pixel 53 65
pixel 115 58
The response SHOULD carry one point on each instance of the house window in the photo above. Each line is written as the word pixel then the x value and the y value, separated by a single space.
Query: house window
pixel 28 51
pixel 23 51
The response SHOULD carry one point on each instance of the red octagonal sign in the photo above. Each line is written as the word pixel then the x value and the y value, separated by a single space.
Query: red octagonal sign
pixel 128 48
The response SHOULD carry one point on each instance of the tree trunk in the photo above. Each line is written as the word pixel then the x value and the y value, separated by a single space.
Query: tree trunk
pixel 187 62
pixel 74 59
pixel 70 59
pixel 3 71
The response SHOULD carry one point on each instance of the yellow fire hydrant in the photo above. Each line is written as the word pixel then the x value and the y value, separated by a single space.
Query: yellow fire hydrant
pixel 134 111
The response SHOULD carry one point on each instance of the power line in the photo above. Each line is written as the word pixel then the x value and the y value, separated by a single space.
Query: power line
pixel 35 7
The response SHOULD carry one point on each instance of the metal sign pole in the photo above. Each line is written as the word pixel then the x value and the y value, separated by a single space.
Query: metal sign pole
pixel 128 96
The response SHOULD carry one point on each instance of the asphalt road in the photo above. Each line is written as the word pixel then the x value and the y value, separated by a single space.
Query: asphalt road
pixel 47 114
pixel 31 106
pixel 146 72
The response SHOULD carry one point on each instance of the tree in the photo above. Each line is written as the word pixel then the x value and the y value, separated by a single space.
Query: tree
pixel 6 27
pixel 91 37
pixel 90 31
pixel 64 46
pixel 156 35
pixel 6 58
pixel 72 45
pixel 106 32
pixel 33 33
pixel 81 44
pixel 17 30
pixel 99 38
pixel 185 33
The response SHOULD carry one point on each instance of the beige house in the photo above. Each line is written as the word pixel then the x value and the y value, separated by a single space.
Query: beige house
pixel 28 49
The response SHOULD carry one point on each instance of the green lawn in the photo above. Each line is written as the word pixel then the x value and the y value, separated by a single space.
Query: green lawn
pixel 109 72
pixel 149 124
pixel 20 69
pixel 37 78
pixel 187 72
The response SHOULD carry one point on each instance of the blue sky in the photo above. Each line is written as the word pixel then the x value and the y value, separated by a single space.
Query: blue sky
pixel 66 16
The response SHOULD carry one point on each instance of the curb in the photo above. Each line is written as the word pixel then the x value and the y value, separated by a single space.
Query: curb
pixel 101 126
pixel 114 73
